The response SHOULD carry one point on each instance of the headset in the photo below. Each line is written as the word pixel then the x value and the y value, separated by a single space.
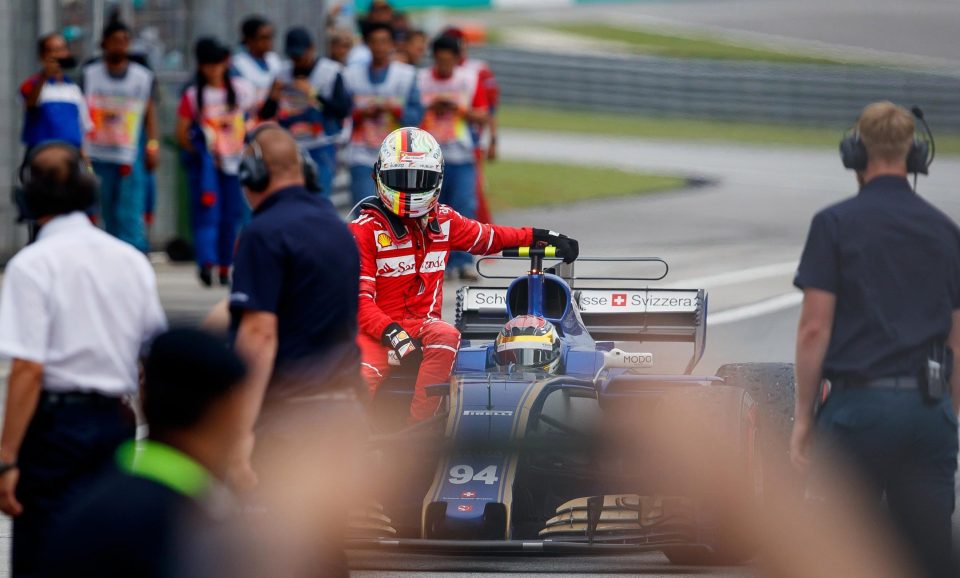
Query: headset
pixel 254 173
pixel 38 198
pixel 922 152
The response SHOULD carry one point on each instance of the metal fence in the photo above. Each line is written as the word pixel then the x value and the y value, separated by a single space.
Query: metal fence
pixel 719 90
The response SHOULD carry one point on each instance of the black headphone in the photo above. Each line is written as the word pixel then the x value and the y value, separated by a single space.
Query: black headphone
pixel 38 197
pixel 254 173
pixel 854 154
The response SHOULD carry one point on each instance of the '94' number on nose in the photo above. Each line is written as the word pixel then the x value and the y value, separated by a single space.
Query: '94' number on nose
pixel 464 473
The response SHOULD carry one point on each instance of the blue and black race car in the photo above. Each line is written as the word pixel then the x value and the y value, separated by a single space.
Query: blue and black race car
pixel 607 453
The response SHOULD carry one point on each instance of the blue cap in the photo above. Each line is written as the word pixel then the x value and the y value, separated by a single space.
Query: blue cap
pixel 298 41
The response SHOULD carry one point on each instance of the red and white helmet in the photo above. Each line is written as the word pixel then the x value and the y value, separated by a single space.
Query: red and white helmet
pixel 409 172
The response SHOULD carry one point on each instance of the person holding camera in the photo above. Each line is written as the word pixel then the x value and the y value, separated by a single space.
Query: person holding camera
pixel 880 319
pixel 54 105
pixel 77 307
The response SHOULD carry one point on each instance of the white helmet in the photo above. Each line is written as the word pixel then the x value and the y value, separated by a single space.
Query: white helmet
pixel 409 172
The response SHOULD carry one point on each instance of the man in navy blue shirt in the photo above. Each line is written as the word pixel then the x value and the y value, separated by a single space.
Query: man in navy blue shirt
pixel 881 280
pixel 294 296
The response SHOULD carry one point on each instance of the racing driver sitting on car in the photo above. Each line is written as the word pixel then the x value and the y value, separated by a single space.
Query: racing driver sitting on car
pixel 405 237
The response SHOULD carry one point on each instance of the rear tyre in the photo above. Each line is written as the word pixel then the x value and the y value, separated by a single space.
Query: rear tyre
pixel 714 456
pixel 772 386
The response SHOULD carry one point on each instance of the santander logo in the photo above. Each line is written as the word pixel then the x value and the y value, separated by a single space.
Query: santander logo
pixel 396 266
pixel 433 262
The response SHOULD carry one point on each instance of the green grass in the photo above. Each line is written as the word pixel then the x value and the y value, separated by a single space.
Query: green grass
pixel 688 46
pixel 523 117
pixel 518 184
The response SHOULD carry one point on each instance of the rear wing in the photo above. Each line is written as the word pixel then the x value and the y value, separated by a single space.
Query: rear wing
pixel 637 315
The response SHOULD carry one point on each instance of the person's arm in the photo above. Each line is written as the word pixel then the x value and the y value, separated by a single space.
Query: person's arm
pixel 412 113
pixel 953 341
pixel 483 238
pixel 255 296
pixel 813 338
pixel 818 275
pixel 23 394
pixel 31 90
pixel 153 140
pixel 371 319
pixel 339 104
pixel 24 333
pixel 185 116
pixel 478 113
pixel 256 343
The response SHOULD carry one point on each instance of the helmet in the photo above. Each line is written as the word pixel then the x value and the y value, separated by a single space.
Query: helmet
pixel 529 341
pixel 409 172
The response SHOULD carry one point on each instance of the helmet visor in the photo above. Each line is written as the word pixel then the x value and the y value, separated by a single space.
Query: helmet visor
pixel 410 180
pixel 527 351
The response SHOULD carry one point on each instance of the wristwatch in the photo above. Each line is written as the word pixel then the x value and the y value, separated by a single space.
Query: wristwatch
pixel 6 466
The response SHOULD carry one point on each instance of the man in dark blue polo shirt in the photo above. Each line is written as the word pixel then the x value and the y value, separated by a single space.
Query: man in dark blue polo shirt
pixel 294 296
pixel 294 308
pixel 881 280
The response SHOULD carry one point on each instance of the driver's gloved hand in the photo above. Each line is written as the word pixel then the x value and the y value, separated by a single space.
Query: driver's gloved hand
pixel 408 350
pixel 568 247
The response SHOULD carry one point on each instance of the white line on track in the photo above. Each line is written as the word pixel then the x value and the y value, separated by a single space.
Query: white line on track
pixel 765 307
pixel 736 277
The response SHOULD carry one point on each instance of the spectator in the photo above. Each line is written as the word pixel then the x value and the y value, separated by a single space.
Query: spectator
pixel 486 140
pixel 76 309
pixel 211 121
pixel 143 516
pixel 313 103
pixel 880 275
pixel 412 49
pixel 341 41
pixel 255 60
pixel 295 254
pixel 385 97
pixel 380 13
pixel 119 95
pixel 55 107
pixel 454 100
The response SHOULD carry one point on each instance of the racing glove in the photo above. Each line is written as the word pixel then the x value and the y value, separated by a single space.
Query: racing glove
pixel 567 247
pixel 408 350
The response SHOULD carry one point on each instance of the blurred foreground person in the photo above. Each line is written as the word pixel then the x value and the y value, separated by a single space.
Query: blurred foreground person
pixel 77 307
pixel 881 317
pixel 157 512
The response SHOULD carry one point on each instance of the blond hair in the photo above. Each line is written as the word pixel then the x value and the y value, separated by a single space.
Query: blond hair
pixel 886 130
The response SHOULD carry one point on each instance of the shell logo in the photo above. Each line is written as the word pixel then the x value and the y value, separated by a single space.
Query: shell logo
pixel 384 240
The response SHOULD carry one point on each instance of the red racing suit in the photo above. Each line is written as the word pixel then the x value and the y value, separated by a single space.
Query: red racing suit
pixel 402 262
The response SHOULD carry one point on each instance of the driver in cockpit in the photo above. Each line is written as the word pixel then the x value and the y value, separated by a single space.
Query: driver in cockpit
pixel 528 342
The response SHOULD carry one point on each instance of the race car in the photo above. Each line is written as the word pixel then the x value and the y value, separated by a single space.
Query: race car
pixel 606 453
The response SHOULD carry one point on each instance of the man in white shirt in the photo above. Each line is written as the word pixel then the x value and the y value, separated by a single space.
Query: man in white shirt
pixel 76 309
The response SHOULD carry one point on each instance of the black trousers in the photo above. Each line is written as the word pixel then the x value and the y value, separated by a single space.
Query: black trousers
pixel 67 444
pixel 903 448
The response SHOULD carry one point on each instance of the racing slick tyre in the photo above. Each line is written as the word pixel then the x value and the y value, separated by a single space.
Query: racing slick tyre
pixel 772 386
pixel 713 442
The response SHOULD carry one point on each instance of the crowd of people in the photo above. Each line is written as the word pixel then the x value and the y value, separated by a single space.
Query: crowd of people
pixel 339 101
